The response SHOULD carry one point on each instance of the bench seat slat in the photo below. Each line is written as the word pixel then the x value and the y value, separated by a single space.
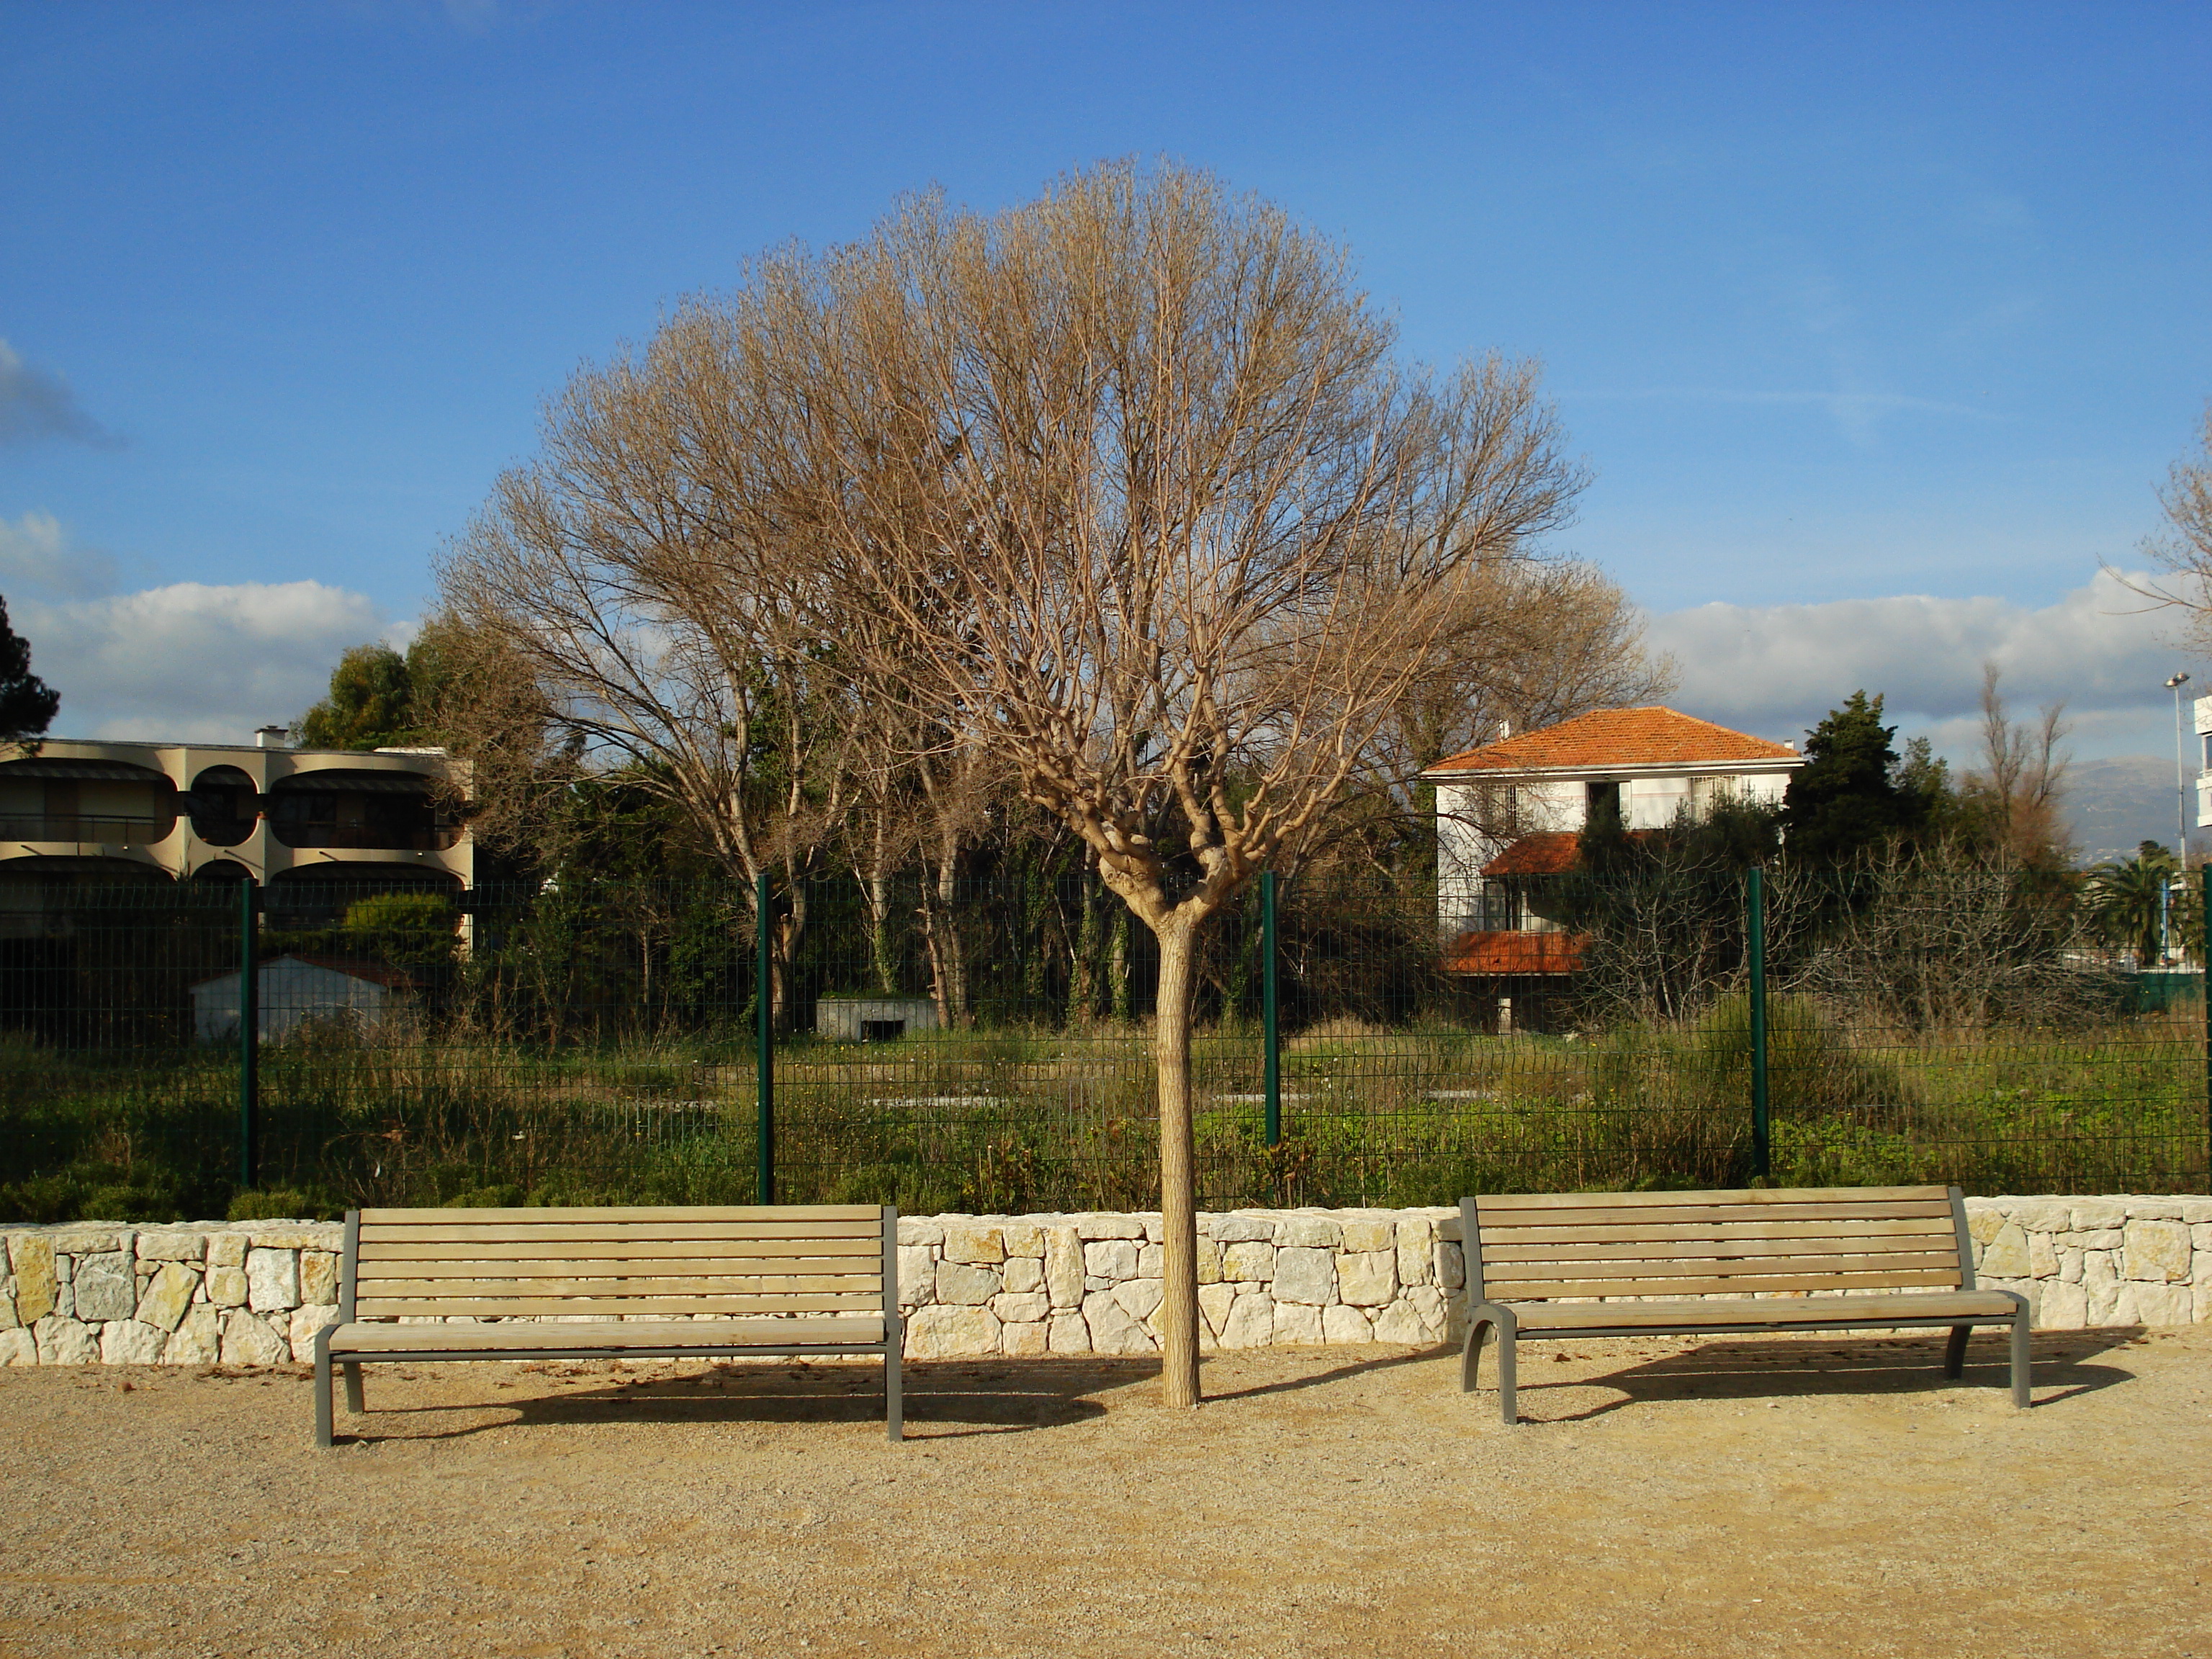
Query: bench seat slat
pixel 607 1307
pixel 1692 1231
pixel 1536 1272
pixel 595 1216
pixel 705 1334
pixel 1707 1215
pixel 1929 1243
pixel 844 1267
pixel 388 1289
pixel 1742 1198
pixel 735 1232
pixel 1809 1310
pixel 1720 1285
pixel 624 1250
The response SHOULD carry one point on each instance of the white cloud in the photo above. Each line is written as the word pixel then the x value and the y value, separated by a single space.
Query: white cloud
pixel 34 403
pixel 192 661
pixel 36 553
pixel 1777 669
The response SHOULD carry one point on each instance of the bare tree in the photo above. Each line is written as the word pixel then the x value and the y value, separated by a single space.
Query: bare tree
pixel 1127 479
pixel 2019 786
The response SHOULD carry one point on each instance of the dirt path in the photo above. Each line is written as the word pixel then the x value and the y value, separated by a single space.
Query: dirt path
pixel 1797 1495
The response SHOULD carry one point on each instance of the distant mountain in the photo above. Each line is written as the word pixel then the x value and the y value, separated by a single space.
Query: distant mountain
pixel 2117 803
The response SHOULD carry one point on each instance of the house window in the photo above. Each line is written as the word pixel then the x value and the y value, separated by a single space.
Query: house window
pixel 1602 802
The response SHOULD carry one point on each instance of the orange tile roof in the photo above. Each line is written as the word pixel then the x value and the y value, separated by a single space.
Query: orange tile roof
pixel 1548 852
pixel 1514 953
pixel 1618 737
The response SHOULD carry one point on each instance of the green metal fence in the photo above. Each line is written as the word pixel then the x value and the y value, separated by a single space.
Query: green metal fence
pixel 179 1050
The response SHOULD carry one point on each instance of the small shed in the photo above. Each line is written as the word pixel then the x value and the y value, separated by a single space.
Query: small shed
pixel 296 990
pixel 872 1018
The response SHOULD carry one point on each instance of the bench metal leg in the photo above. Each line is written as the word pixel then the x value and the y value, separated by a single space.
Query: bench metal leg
pixel 323 1425
pixel 352 1390
pixel 894 1395
pixel 1954 1351
pixel 1492 1323
pixel 2020 1334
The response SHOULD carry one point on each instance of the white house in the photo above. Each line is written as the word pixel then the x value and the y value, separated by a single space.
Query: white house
pixel 1513 809
pixel 293 990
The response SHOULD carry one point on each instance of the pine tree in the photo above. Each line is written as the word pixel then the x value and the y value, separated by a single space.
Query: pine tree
pixel 27 703
pixel 1845 802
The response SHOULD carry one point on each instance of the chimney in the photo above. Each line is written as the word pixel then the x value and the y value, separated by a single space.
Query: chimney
pixel 271 736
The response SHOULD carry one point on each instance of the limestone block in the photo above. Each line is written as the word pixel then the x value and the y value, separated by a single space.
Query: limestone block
pixel 105 1287
pixel 1026 1341
pixel 66 1342
pixel 1063 1271
pixel 8 1320
pixel 1310 1233
pixel 1110 1259
pixel 90 1240
pixel 1360 1238
pixel 1434 1309
pixel 2100 1285
pixel 64 1293
pixel 1251 1320
pixel 226 1250
pixel 1028 1309
pixel 172 1246
pixel 36 1283
pixel 917 1273
pixel 1416 1250
pixel 1238 1228
pixel 1984 1225
pixel 1248 1263
pixel 2095 1214
pixel 248 1341
pixel 1138 1296
pixel 130 1342
pixel 2044 1215
pixel 1112 1329
pixel 919 1230
pixel 1152 1261
pixel 961 1285
pixel 167 1294
pixel 1091 1227
pixel 2070 1266
pixel 1027 1241
pixel 1155 1229
pixel 2200 1235
pixel 1023 1275
pixel 1342 1324
pixel 1305 1276
pixel 1451 1265
pixel 1296 1323
pixel 1214 1302
pixel 2198 1211
pixel 1368 1280
pixel 18 1347
pixel 1067 1334
pixel 2204 1294
pixel 2005 1255
pixel 2063 1306
pixel 1209 1260
pixel 318 1277
pixel 2163 1304
pixel 1400 1322
pixel 281 1236
pixel 272 1280
pixel 2158 1251
pixel 306 1319
pixel 198 1337
pixel 980 1246
pixel 952 1332
pixel 2153 1209
pixel 2042 1256
pixel 1450 1228
pixel 226 1286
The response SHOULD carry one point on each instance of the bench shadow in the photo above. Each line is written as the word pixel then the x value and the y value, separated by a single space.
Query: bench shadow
pixel 943 1400
pixel 2062 1365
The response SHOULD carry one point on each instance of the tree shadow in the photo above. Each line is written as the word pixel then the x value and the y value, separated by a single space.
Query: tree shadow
pixel 1389 1361
pixel 1770 1369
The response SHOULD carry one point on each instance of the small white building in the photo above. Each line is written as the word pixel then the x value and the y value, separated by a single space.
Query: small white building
pixel 1512 809
pixel 296 990
pixel 872 1018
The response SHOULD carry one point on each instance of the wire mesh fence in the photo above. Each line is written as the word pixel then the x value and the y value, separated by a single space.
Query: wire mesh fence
pixel 987 1046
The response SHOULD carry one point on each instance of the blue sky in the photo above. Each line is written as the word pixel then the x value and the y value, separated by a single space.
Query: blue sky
pixel 1878 324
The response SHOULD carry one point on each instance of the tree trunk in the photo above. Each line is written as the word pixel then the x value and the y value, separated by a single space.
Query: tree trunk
pixel 940 930
pixel 1083 960
pixel 1178 1186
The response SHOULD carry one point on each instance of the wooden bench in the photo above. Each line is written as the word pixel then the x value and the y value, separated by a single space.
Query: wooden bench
pixel 1849 1258
pixel 601 1284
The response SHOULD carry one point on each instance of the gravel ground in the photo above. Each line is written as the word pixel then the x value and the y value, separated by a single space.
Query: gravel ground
pixel 1795 1495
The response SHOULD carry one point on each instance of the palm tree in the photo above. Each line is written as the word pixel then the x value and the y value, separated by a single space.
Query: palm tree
pixel 2129 897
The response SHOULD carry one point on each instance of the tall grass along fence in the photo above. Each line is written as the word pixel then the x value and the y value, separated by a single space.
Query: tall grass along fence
pixel 213 1047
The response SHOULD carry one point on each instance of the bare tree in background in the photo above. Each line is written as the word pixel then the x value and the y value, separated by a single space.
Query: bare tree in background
pixel 1129 480
pixel 2020 784
pixel 2186 550
pixel 653 626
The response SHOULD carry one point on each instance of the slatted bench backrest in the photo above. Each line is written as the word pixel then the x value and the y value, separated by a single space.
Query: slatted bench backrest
pixel 610 1263
pixel 1542 1246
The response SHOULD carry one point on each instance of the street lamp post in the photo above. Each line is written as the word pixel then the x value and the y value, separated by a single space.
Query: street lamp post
pixel 2174 684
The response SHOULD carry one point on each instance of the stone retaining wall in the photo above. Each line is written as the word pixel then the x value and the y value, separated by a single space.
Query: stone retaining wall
pixel 255 1293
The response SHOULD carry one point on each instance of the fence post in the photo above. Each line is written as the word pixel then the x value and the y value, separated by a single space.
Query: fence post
pixel 764 1041
pixel 1270 1022
pixel 1754 924
pixel 249 1032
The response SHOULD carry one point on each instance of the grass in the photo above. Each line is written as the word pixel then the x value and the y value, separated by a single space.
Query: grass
pixel 1012 1119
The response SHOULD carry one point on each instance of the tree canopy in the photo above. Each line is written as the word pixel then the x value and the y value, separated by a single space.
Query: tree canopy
pixel 27 703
